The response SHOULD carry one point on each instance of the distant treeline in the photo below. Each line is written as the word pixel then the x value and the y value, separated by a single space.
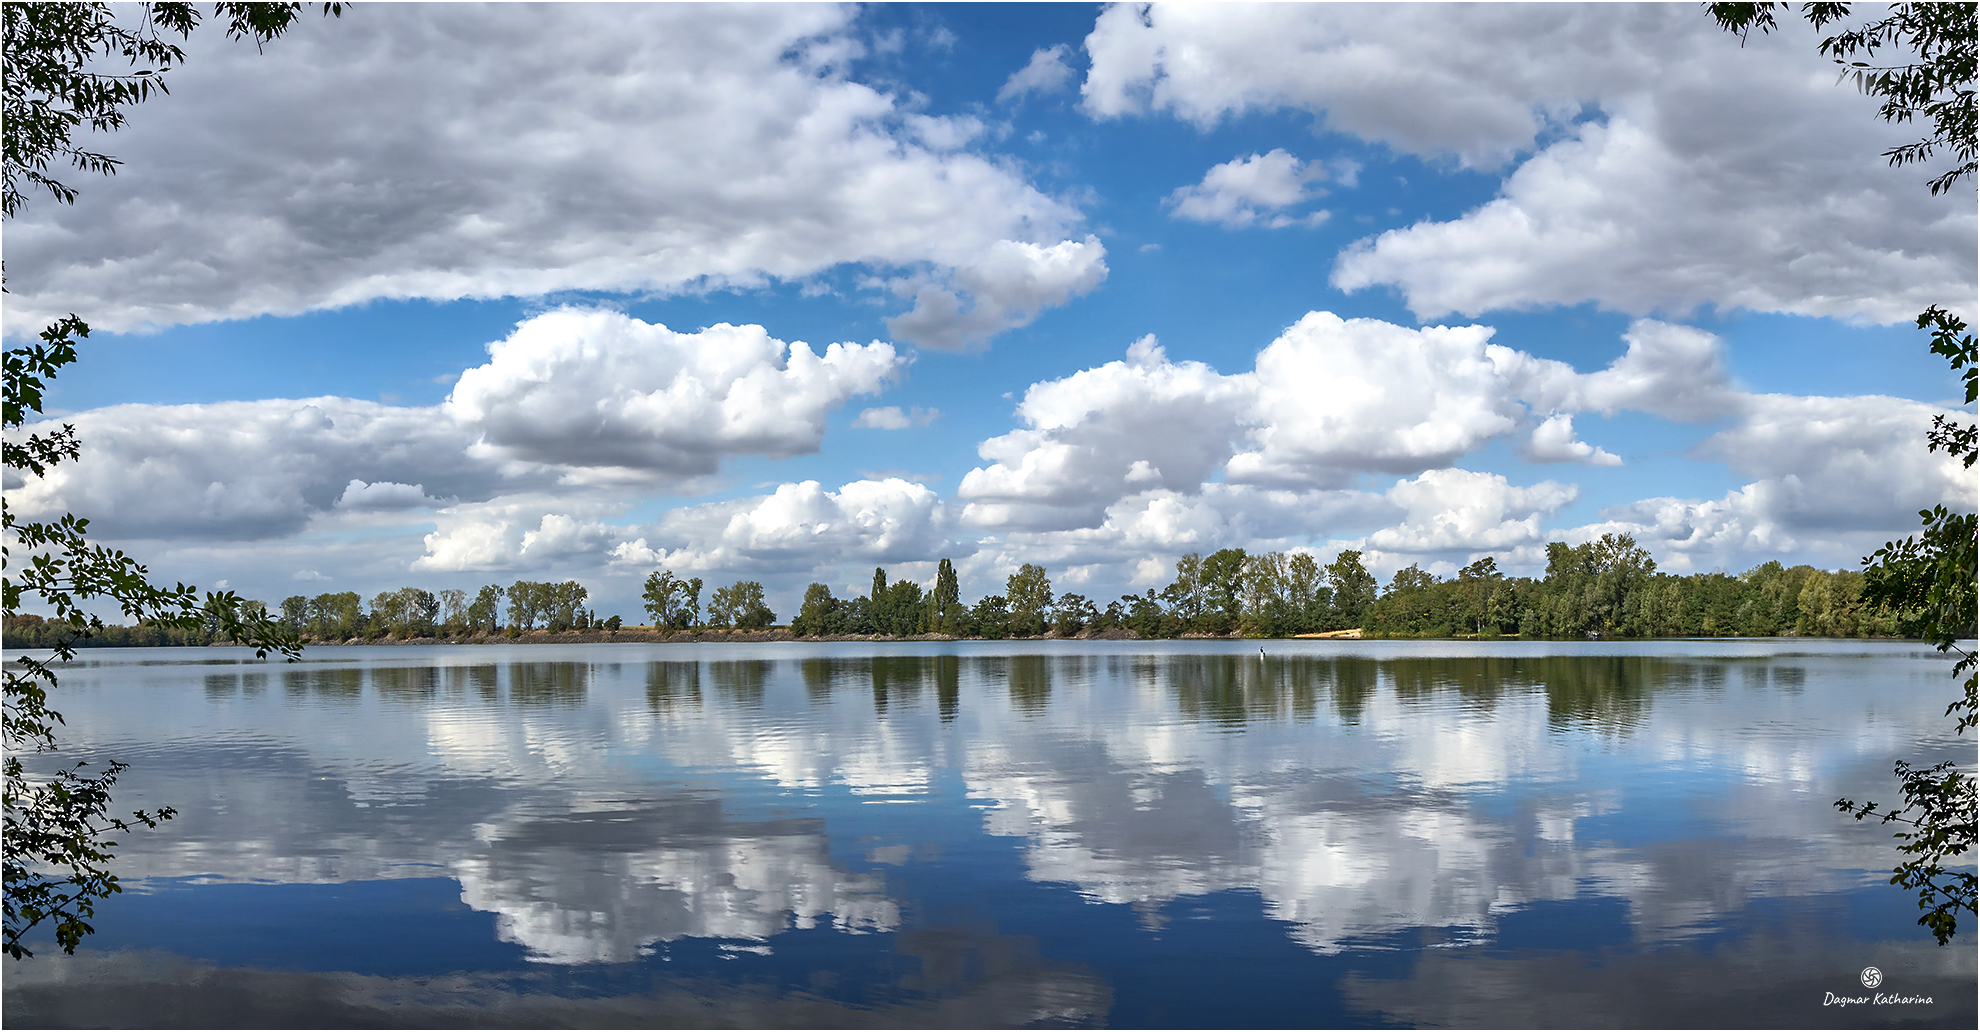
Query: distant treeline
pixel 1607 588
pixel 27 631
pixel 1611 588
pixel 342 616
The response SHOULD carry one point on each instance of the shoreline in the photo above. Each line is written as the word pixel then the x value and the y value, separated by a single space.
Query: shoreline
pixel 648 636
pixel 644 636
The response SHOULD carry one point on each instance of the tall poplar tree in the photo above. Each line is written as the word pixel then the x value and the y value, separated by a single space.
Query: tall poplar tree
pixel 945 608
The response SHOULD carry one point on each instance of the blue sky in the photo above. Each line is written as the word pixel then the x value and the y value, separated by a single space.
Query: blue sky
pixel 434 295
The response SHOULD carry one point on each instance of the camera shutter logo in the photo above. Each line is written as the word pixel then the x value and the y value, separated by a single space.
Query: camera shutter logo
pixel 1872 978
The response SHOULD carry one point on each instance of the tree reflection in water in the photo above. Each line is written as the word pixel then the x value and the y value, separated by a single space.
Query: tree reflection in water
pixel 673 685
pixel 1608 693
pixel 934 833
pixel 1031 683
pixel 740 682
pixel 548 684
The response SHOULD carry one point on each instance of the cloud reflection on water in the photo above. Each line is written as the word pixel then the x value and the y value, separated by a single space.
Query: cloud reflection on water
pixel 968 979
pixel 599 808
pixel 598 886
pixel 1457 797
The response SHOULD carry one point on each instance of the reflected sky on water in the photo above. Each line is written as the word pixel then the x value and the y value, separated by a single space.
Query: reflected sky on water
pixel 1009 833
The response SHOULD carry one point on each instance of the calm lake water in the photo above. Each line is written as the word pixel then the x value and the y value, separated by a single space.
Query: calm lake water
pixel 984 834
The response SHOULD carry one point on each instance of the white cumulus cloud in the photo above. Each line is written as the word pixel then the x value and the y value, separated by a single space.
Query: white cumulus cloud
pixel 1146 455
pixel 1329 401
pixel 1554 441
pixel 1836 477
pixel 1461 510
pixel 1341 396
pixel 893 418
pixel 454 151
pixel 796 529
pixel 572 398
pixel 1104 433
pixel 1842 462
pixel 1005 287
pixel 1677 372
pixel 518 532
pixel 256 469
pixel 1622 217
pixel 1046 72
pixel 1479 83
pixel 1684 169
pixel 602 389
pixel 1147 531
pixel 1251 191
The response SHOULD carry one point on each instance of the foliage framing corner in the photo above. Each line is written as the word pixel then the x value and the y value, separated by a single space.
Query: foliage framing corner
pixel 56 828
pixel 1934 578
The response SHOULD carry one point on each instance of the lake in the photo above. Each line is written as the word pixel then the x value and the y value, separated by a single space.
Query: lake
pixel 1007 833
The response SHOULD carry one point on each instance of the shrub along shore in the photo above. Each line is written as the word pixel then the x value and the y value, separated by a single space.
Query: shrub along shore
pixel 1608 588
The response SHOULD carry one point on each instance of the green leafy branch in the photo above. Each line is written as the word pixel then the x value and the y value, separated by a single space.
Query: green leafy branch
pixel 1936 84
pixel 60 825
pixel 1933 582
pixel 1951 341
pixel 55 85
pixel 1930 580
pixel 1944 801
pixel 56 863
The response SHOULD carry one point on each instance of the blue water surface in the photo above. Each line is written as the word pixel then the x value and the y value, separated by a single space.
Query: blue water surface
pixel 1336 834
